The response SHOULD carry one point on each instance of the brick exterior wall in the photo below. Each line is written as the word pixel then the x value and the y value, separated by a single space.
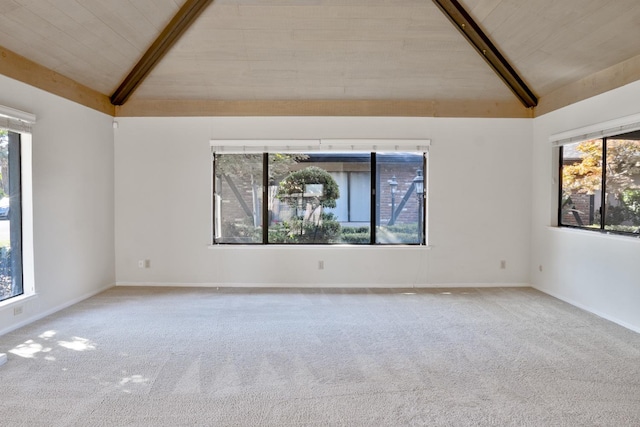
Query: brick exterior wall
pixel 404 178
pixel 583 204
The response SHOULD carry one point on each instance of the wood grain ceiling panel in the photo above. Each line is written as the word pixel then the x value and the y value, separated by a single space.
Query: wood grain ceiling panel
pixel 93 42
pixel 323 49
pixel 553 43
pixel 375 56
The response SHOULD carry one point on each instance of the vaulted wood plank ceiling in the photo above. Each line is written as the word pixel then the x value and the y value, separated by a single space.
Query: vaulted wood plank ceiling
pixel 93 42
pixel 371 50
pixel 353 57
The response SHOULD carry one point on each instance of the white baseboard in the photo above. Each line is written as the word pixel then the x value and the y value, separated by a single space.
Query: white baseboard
pixel 634 328
pixel 473 285
pixel 49 312
pixel 324 285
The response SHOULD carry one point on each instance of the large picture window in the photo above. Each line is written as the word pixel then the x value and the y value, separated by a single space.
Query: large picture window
pixel 358 198
pixel 600 185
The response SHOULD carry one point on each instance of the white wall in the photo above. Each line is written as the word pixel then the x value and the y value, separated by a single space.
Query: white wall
pixel 479 205
pixel 597 272
pixel 73 202
pixel 479 208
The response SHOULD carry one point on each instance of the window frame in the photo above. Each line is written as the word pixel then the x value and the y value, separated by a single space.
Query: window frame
pixel 603 188
pixel 413 148
pixel 14 153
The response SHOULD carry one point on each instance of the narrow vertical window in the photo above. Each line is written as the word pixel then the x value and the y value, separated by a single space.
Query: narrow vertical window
pixel 10 216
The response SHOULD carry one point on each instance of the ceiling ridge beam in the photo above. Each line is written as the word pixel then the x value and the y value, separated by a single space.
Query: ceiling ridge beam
pixel 485 47
pixel 186 16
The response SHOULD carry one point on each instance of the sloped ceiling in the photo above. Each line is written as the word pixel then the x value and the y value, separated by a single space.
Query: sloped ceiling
pixel 403 56
pixel 373 49
pixel 94 42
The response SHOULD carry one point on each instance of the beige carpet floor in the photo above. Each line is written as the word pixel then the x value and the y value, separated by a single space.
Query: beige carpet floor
pixel 321 357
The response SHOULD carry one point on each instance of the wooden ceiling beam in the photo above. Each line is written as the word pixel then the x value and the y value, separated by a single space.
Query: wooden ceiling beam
pixel 171 34
pixel 324 108
pixel 483 45
pixel 26 71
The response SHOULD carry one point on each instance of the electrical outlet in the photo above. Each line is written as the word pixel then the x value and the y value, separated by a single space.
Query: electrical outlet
pixel 540 267
pixel 503 265
pixel 141 263
pixel 147 263
pixel 320 265
pixel 17 310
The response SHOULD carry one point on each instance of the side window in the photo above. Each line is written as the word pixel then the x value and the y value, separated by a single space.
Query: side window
pixel 581 191
pixel 10 216
pixel 600 186
pixel 622 198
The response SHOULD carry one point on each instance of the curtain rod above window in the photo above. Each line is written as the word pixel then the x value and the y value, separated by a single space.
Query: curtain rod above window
pixel 235 146
pixel 16 120
pixel 597 131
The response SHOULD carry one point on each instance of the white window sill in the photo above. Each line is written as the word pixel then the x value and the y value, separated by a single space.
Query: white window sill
pixel 16 300
pixel 595 233
pixel 320 247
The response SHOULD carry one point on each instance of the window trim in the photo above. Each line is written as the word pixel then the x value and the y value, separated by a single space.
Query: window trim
pixel 370 146
pixel 247 146
pixel 16 120
pixel 597 131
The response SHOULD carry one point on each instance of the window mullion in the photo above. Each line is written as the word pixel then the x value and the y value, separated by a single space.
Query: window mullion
pixel 265 198
pixel 603 185
pixel 213 197
pixel 15 212
pixel 561 181
pixel 423 203
pixel 374 198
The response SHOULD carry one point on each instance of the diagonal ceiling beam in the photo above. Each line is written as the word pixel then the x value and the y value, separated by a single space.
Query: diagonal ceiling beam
pixel 479 40
pixel 172 32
